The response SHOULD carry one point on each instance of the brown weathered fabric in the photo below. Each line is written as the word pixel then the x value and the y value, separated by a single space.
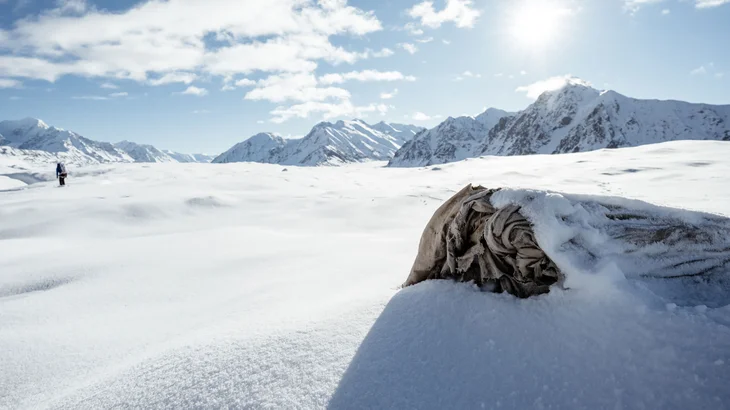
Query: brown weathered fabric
pixel 467 239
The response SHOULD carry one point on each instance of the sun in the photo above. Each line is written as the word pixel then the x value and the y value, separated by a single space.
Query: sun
pixel 537 23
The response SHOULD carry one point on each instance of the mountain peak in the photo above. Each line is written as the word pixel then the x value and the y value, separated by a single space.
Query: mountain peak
pixel 26 123
pixel 566 86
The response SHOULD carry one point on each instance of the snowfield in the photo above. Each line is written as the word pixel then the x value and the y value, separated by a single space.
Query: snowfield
pixel 262 286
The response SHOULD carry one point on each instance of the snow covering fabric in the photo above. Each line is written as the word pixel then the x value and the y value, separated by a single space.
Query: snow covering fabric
pixel 468 239
pixel 523 241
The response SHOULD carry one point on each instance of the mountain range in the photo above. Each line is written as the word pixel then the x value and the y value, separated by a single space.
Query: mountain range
pixel 36 141
pixel 326 144
pixel 574 118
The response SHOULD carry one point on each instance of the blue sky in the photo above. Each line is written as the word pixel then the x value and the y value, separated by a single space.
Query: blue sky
pixel 201 75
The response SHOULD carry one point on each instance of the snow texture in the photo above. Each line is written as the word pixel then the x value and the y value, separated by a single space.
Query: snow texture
pixel 242 286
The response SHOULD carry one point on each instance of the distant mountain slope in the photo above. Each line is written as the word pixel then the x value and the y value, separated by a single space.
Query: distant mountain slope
pixel 326 144
pixel 452 140
pixel 34 134
pixel 574 118
pixel 144 153
pixel 36 141
pixel 185 158
pixel 579 118
pixel 403 132
pixel 263 147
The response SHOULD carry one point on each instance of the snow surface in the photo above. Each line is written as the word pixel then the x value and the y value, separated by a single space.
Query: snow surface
pixel 242 286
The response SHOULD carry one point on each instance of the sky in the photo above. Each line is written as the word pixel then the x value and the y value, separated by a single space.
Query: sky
pixel 202 75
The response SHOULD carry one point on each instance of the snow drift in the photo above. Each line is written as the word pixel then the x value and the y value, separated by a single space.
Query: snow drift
pixel 241 286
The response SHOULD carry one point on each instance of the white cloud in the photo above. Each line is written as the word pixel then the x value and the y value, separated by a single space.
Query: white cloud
pixel 665 12
pixel 467 74
pixel 201 112
pixel 14 98
pixel 409 47
pixel 633 6
pixel 419 116
pixel 702 4
pixel 71 6
pixel 260 122
pixel 523 72
pixel 122 94
pixel 425 40
pixel 109 86
pixel 460 12
pixel 156 38
pixel 366 75
pixel 447 42
pixel 388 96
pixel 10 83
pixel 534 90
pixel 171 78
pixel 701 70
pixel 498 75
pixel 327 110
pixel 707 69
pixel 385 52
pixel 245 82
pixel 193 90
pixel 412 29
pixel 90 97
pixel 302 87
pixel 318 96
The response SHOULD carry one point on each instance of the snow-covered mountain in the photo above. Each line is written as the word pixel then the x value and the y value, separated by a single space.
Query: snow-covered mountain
pixel 34 140
pixel 143 152
pixel 404 132
pixel 31 134
pixel 326 144
pixel 452 140
pixel 263 147
pixel 579 118
pixel 186 158
pixel 573 118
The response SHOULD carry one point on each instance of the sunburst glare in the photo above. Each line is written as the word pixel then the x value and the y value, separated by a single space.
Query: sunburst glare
pixel 537 24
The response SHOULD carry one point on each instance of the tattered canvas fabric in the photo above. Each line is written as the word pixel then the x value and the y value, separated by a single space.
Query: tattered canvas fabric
pixel 468 239
pixel 525 241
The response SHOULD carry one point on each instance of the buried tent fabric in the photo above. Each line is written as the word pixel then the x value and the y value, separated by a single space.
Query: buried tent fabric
pixel 523 241
pixel 468 239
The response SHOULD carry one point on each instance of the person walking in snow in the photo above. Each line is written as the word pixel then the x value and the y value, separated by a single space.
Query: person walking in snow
pixel 61 173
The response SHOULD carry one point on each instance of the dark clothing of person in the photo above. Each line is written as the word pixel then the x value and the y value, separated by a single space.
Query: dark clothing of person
pixel 61 173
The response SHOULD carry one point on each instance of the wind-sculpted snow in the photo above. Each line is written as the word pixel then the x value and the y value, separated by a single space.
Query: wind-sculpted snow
pixel 242 286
